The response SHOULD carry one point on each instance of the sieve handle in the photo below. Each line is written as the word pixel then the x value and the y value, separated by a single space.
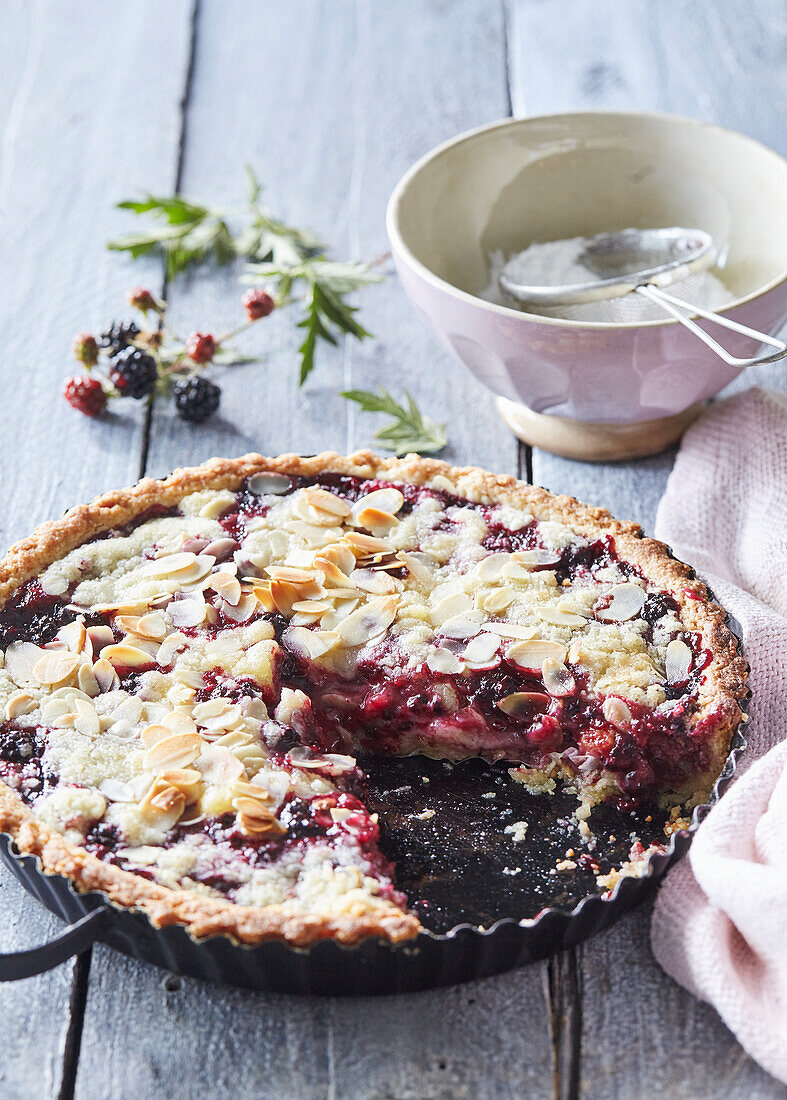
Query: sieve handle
pixel 675 305
pixel 73 941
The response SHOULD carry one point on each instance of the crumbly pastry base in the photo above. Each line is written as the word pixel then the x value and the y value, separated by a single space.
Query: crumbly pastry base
pixel 722 689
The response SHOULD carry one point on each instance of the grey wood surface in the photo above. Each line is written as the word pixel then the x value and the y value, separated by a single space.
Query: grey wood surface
pixel 331 102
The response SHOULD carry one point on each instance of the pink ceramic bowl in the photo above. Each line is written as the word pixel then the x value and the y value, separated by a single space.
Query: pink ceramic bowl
pixel 522 180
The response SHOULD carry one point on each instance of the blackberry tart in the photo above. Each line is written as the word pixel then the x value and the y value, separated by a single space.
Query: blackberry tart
pixel 191 665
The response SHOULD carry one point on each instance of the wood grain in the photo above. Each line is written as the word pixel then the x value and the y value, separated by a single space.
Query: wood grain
pixel 641 1033
pixel 63 163
pixel 330 126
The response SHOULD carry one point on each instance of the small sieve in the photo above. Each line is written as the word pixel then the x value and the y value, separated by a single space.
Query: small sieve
pixel 641 262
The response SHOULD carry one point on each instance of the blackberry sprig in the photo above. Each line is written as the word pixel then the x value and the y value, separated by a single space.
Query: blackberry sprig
pixel 127 360
pixel 189 234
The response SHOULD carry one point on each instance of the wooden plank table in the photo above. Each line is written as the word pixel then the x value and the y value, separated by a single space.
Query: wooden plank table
pixel 331 102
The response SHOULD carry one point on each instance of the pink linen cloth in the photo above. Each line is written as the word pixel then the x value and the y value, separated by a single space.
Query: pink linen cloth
pixel 720 922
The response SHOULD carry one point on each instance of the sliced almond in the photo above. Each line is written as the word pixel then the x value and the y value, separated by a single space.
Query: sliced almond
pixel 218 765
pixel 557 678
pixel 176 751
pixel 187 780
pixel 443 660
pixel 482 649
pixel 53 584
pixel 87 721
pixel 375 582
pixel 535 557
pixel 511 630
pixel 522 702
pixel 55 667
pixel 332 762
pixel 627 603
pixel 163 798
pixel 170 565
pixel 169 647
pixel 368 621
pixel 179 721
pixel 616 712
pixel 532 653
pixel 312 607
pixel 262 593
pixel 388 500
pixel 558 617
pixel 256 820
pixel 21 702
pixel 679 661
pixel 99 637
pixel 73 635
pixel 363 545
pixel 491 569
pixel 310 644
pixel 151 735
pixel 331 575
pixel 189 676
pixel 375 520
pixel 265 483
pixel 126 656
pixel 106 676
pixel 456 603
pixel 243 611
pixel 152 626
pixel 87 681
pixel 461 627
pixel 227 586
pixel 20 659
pixel 496 601
pixel 339 555
pixel 222 549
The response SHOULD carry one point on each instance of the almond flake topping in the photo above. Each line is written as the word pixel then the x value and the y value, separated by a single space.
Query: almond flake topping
pixel 482 649
pixel 443 660
pixel 679 661
pixel 532 653
pixel 627 602
pixel 264 483
pixel 520 702
pixel 21 702
pixel 126 656
pixel 55 667
pixel 557 678
pixel 368 621
pixel 616 712
pixel 178 750
pixel 558 617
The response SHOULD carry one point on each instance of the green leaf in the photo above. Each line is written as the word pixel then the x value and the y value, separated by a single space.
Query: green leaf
pixel 409 430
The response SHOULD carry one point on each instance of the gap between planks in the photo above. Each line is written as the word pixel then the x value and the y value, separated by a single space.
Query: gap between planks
pixel 81 980
pixel 562 984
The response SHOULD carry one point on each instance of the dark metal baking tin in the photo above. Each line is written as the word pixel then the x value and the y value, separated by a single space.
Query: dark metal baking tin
pixel 453 867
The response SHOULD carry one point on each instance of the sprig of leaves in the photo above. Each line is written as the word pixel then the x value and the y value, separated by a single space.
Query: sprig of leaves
pixel 409 430
pixel 327 312
pixel 184 232
pixel 187 234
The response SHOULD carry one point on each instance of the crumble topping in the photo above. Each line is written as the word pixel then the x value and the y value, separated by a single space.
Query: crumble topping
pixel 183 697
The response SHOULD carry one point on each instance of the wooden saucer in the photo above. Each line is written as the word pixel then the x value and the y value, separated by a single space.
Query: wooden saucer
pixel 591 441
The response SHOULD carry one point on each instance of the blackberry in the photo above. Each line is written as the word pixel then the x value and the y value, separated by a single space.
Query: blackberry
pixel 118 336
pixel 196 398
pixel 133 372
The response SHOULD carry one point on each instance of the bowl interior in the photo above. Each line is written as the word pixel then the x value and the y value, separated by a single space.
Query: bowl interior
pixel 540 179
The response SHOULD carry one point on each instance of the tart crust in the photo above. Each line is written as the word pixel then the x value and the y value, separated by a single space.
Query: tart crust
pixel 721 692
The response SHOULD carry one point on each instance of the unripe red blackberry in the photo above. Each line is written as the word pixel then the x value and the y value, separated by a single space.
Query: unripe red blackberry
pixel 200 347
pixel 257 303
pixel 86 349
pixel 85 394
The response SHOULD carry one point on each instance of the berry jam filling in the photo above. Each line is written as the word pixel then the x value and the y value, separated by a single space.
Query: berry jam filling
pixel 21 767
pixel 399 710
pixel 387 708
pixel 31 615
